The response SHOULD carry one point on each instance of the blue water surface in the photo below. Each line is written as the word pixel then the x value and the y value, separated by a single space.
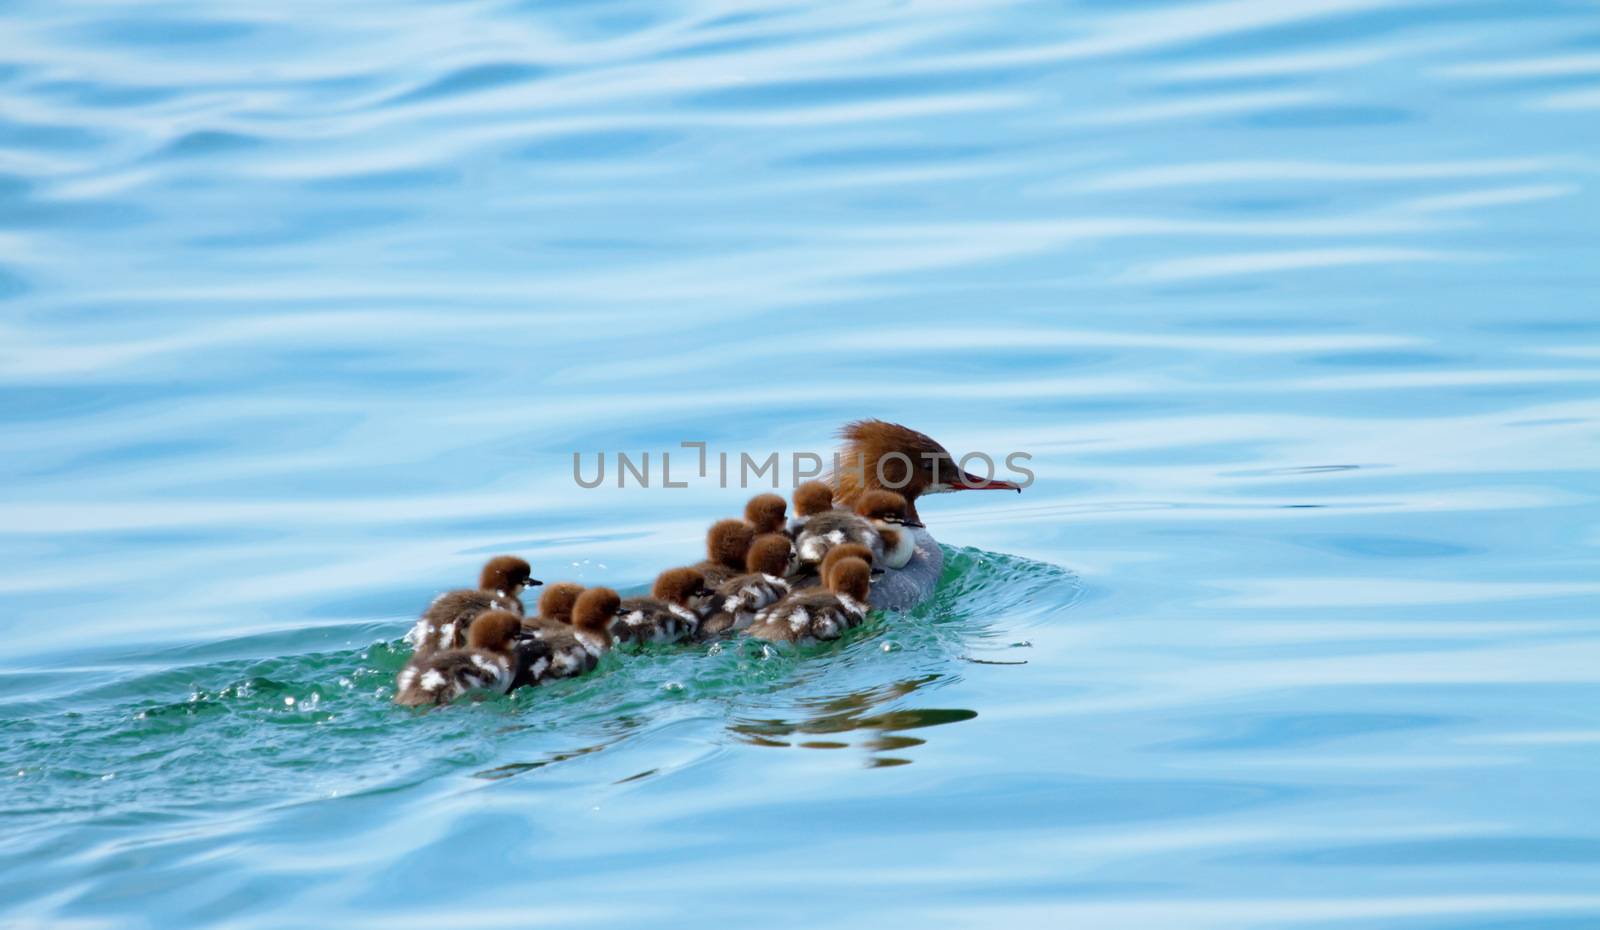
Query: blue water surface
pixel 305 307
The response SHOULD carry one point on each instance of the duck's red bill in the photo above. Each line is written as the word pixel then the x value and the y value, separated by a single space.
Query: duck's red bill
pixel 971 482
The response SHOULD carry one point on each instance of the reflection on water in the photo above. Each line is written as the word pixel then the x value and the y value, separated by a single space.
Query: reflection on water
pixel 849 713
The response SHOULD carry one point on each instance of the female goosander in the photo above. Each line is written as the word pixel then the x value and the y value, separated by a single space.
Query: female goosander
pixel 573 649
pixel 879 454
pixel 886 511
pixel 810 499
pixel 765 513
pixel 814 615
pixel 738 599
pixel 669 614
pixel 444 624
pixel 727 544
pixel 487 663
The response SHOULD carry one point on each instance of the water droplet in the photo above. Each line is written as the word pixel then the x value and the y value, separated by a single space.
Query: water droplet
pixel 672 686
pixel 890 645
pixel 289 701
pixel 108 776
pixel 715 650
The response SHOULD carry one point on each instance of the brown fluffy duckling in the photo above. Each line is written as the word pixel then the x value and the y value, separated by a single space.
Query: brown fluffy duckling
pixel 557 601
pixel 847 551
pixel 727 544
pixel 810 499
pixel 738 599
pixel 886 511
pixel 823 531
pixel 822 614
pixel 550 635
pixel 488 663
pixel 574 649
pixel 444 624
pixel 766 513
pixel 813 577
pixel 669 615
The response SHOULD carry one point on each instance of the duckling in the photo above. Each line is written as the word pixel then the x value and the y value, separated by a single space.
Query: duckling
pixel 830 528
pixel 549 635
pixel 669 614
pixel 487 663
pixel 847 551
pixel 765 513
pixel 573 649
pixel 555 604
pixel 727 544
pixel 886 511
pixel 813 577
pixel 739 598
pixel 819 615
pixel 444 624
pixel 810 499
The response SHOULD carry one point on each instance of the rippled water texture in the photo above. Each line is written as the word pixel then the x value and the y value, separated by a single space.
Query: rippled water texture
pixel 305 306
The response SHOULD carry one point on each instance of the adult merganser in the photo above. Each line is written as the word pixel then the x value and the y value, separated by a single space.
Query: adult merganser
pixel 444 624
pixel 487 663
pixel 727 544
pixel 878 454
pixel 765 513
pixel 813 615
pixel 886 511
pixel 738 599
pixel 669 614
pixel 810 499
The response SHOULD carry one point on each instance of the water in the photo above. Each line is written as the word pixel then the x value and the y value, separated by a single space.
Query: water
pixel 306 306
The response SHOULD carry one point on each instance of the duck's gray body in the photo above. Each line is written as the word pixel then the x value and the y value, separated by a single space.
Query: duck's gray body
pixel 905 588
